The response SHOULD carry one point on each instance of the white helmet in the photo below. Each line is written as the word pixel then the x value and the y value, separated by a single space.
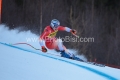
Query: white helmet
pixel 54 23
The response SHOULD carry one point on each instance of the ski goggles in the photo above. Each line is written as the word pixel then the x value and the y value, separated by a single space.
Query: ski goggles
pixel 55 25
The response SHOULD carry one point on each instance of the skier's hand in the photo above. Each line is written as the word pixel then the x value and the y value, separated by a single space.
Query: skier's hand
pixel 73 32
pixel 44 49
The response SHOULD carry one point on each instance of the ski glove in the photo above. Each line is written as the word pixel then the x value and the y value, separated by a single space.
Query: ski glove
pixel 73 32
pixel 44 49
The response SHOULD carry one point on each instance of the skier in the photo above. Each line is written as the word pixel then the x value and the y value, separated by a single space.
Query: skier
pixel 52 42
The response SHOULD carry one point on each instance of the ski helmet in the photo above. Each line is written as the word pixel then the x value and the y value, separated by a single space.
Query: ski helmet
pixel 54 23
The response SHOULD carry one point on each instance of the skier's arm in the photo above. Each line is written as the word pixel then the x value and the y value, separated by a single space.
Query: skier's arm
pixel 42 45
pixel 41 40
pixel 61 28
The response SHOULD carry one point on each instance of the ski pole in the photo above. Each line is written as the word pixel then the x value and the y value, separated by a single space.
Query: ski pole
pixel 27 44
pixel 33 48
pixel 76 35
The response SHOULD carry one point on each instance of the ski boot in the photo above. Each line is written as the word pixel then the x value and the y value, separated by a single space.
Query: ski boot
pixel 64 54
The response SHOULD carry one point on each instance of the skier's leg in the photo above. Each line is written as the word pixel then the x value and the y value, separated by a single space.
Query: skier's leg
pixel 65 52
pixel 60 44
pixel 57 44
pixel 62 49
pixel 51 44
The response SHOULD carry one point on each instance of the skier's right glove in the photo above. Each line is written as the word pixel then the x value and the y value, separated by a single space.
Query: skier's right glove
pixel 44 49
pixel 73 32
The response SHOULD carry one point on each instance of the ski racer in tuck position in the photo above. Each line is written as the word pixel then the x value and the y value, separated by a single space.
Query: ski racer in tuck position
pixel 51 42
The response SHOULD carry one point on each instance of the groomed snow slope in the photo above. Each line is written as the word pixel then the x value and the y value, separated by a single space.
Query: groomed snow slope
pixel 22 63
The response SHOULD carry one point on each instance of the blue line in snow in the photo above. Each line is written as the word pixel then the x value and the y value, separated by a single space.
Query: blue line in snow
pixel 84 67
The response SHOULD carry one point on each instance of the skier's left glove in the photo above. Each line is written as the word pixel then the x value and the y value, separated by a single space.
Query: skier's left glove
pixel 73 32
pixel 44 49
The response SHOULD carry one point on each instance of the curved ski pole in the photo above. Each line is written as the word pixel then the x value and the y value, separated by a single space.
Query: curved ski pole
pixel 27 44
pixel 33 47
pixel 76 35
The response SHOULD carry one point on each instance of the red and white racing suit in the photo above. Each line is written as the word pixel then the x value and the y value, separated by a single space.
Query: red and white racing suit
pixel 51 41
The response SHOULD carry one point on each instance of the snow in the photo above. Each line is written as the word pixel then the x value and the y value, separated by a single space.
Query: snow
pixel 21 62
